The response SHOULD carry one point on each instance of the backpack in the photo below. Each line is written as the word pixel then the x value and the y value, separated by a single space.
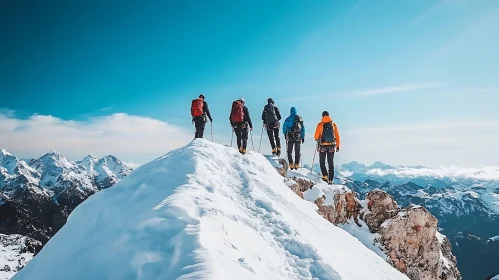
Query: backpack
pixel 270 115
pixel 295 132
pixel 328 134
pixel 197 107
pixel 237 112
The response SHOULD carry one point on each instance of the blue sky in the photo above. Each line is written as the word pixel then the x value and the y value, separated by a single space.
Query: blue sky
pixel 408 82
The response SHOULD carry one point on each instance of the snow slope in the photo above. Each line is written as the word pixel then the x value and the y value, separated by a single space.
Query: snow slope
pixel 203 212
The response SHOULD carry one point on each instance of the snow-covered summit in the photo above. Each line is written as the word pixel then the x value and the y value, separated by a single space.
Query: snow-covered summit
pixel 11 167
pixel 203 212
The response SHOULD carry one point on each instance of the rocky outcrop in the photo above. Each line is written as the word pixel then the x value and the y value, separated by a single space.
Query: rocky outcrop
pixel 408 237
pixel 381 208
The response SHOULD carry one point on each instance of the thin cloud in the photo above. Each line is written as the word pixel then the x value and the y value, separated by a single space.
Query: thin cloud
pixel 395 89
pixel 130 138
pixel 368 92
pixel 429 12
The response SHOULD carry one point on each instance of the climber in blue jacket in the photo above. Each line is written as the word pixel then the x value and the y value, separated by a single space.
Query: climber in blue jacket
pixel 294 132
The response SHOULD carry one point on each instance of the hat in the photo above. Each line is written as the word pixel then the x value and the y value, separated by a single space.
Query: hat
pixel 241 99
pixel 270 100
pixel 201 96
pixel 325 113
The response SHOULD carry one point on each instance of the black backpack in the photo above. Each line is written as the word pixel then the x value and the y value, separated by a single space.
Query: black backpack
pixel 328 134
pixel 270 115
pixel 295 132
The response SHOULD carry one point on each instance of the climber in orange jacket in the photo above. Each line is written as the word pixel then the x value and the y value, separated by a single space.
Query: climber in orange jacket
pixel 328 142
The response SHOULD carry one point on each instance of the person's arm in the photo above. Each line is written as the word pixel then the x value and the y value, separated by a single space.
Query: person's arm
pixel 207 110
pixel 318 132
pixel 278 113
pixel 263 114
pixel 248 117
pixel 337 135
pixel 230 120
pixel 285 127
pixel 302 132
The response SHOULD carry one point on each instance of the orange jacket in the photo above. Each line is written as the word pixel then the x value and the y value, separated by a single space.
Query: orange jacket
pixel 318 131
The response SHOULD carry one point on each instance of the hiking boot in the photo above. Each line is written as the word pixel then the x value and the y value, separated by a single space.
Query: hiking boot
pixel 291 166
pixel 243 152
pixel 278 151
pixel 330 182
pixel 274 151
pixel 324 178
pixel 297 166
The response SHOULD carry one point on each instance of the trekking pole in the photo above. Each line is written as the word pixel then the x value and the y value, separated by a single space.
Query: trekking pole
pixel 253 146
pixel 313 160
pixel 261 136
pixel 231 137
pixel 211 123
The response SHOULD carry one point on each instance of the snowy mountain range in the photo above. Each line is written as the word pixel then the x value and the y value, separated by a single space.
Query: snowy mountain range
pixel 465 201
pixel 37 197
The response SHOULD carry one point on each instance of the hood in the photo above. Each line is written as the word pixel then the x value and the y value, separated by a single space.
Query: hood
pixel 293 111
pixel 326 119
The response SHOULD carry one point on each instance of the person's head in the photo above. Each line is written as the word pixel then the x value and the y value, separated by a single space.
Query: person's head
pixel 242 100
pixel 325 113
pixel 293 111
pixel 270 101
pixel 201 96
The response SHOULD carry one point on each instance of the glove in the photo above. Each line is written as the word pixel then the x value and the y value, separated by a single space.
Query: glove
pixel 302 140
pixel 251 128
pixel 211 120
pixel 337 149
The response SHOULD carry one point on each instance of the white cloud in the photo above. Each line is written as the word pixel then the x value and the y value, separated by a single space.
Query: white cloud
pixel 395 89
pixel 131 138
pixel 489 173
pixel 438 143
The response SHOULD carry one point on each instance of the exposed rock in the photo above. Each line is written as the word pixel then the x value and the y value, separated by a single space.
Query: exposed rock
pixel 299 185
pixel 381 208
pixel 345 207
pixel 282 168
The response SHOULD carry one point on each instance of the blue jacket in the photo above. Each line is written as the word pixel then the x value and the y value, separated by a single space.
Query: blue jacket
pixel 288 123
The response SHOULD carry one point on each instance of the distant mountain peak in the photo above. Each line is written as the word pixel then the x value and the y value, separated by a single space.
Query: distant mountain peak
pixel 380 165
pixel 5 153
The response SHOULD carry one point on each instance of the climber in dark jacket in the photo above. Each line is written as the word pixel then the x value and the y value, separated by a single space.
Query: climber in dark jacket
pixel 271 117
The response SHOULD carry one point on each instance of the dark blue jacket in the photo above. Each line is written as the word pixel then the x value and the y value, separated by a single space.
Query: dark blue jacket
pixel 288 123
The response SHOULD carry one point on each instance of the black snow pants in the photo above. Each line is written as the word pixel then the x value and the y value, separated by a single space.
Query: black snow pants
pixel 200 123
pixel 297 146
pixel 241 136
pixel 273 133
pixel 327 152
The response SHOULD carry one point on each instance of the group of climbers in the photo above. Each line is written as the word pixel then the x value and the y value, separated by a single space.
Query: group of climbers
pixel 326 134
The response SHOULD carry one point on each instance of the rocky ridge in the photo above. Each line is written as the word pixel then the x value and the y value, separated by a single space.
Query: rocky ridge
pixel 407 237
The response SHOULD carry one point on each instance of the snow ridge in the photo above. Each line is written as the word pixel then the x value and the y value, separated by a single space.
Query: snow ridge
pixel 203 212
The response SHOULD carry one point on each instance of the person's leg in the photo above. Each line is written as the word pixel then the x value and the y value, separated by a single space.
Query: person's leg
pixel 237 131
pixel 297 153
pixel 277 139
pixel 290 151
pixel 244 135
pixel 270 134
pixel 198 128
pixel 330 161
pixel 202 124
pixel 322 162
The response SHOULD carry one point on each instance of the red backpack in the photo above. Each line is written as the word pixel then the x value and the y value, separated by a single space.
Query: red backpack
pixel 197 107
pixel 237 113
